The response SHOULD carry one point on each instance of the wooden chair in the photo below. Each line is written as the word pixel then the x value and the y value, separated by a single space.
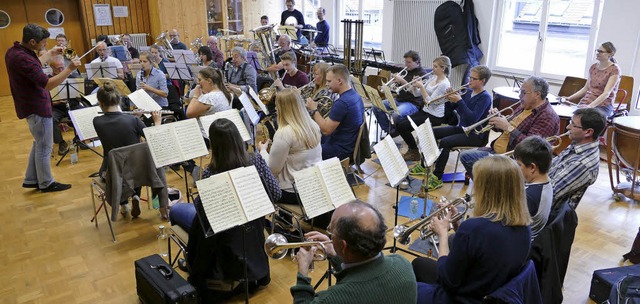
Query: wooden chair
pixel 623 96
pixel 571 85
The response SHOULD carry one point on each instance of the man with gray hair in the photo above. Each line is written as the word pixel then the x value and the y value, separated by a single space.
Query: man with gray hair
pixel 239 73
pixel 357 235
pixel 534 116
pixel 218 57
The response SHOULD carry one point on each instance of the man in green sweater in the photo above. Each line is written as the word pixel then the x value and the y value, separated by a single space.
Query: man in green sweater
pixel 363 273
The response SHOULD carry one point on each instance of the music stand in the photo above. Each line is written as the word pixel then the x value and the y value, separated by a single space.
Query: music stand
pixel 252 58
pixel 289 30
pixel 179 71
pixel 82 120
pixel 70 88
pixel 185 56
pixel 135 68
pixel 101 69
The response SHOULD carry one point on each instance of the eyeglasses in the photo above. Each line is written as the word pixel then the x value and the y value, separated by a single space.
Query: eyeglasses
pixel 330 233
pixel 573 125
pixel 601 51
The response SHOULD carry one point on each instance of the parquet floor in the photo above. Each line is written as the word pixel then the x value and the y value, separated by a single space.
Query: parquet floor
pixel 52 253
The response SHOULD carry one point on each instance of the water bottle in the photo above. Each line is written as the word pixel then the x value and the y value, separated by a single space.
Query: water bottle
pixel 162 242
pixel 413 208
pixel 74 153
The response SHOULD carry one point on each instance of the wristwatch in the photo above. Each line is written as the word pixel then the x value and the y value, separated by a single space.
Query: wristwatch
pixel 313 112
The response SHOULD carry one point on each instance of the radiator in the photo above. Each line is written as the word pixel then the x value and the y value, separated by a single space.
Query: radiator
pixel 137 40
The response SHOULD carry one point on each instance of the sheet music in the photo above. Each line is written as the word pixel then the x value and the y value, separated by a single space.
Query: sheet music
pixel 220 202
pixel 92 99
pixel 143 101
pixel 82 120
pixel 336 182
pixel 389 97
pixel 313 192
pixel 184 56
pixel 391 160
pixel 253 197
pixel 426 141
pixel 189 139
pixel 232 115
pixel 248 106
pixel 257 100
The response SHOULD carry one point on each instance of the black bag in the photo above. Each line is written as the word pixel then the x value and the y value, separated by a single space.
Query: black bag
pixel 634 255
pixel 626 290
pixel 451 31
pixel 156 283
pixel 604 279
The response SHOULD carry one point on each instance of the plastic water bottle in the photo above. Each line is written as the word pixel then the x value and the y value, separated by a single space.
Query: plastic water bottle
pixel 413 208
pixel 74 154
pixel 162 242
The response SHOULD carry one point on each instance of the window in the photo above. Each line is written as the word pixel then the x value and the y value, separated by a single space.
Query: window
pixel 371 15
pixel 549 38
pixel 309 9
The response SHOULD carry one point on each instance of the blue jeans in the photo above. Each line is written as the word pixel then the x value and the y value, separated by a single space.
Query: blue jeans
pixel 39 166
pixel 183 214
pixel 405 109
pixel 470 157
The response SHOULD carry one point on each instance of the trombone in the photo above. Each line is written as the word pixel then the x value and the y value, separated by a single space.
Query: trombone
pixel 555 141
pixel 402 233
pixel 460 90
pixel 424 78
pixel 474 126
pixel 393 86
pixel 276 246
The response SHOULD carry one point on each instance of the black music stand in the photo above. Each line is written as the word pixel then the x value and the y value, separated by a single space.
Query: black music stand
pixel 185 56
pixel 101 70
pixel 178 71
pixel 394 248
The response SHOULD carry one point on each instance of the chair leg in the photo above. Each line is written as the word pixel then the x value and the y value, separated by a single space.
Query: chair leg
pixel 455 169
pixel 106 213
pixel 93 201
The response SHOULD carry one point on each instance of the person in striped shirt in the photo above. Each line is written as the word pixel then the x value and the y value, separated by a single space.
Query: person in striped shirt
pixel 576 168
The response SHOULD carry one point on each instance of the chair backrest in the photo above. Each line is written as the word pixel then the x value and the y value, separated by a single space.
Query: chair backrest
pixel 626 84
pixel 523 288
pixel 356 149
pixel 571 85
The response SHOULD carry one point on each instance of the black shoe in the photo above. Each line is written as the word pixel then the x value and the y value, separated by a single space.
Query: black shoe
pixel 32 186
pixel 182 264
pixel 63 147
pixel 55 186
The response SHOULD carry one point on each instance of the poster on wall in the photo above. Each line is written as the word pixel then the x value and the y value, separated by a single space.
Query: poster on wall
pixel 102 15
pixel 120 11
pixel 55 31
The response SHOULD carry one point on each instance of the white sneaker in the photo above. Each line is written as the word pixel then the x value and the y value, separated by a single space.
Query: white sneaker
pixel 125 210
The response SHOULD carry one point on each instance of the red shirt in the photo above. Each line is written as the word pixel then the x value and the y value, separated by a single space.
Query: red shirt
pixel 28 82
pixel 297 80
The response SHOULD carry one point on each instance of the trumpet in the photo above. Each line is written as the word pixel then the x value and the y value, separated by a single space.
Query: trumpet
pixel 402 233
pixel 460 90
pixel 392 83
pixel 276 247
pixel 424 78
pixel 474 126
pixel 69 52
pixel 555 141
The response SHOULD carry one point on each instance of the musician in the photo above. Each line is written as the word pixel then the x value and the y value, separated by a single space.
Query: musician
pixel 175 40
pixel 472 107
pixel 576 168
pixel 487 250
pixel 61 41
pixel 30 90
pixel 240 74
pixel 105 39
pixel 604 77
pixel 215 264
pixel 116 130
pixel 104 56
pixel 320 87
pixel 293 17
pixel 152 80
pixel 363 273
pixel 264 20
pixel 206 57
pixel 158 61
pixel 296 143
pixel 533 116
pixel 292 77
pixel 322 38
pixel 135 55
pixel 284 43
pixel 408 101
pixel 340 129
pixel 209 96
pixel 218 57
pixel 533 156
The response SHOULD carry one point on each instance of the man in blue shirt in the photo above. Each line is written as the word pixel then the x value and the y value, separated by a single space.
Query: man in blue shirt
pixel 322 38
pixel 340 129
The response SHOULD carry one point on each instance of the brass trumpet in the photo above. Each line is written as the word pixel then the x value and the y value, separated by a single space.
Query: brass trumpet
pixel 557 139
pixel 69 53
pixel 474 126
pixel 460 90
pixel 392 84
pixel 276 246
pixel 424 78
pixel 402 233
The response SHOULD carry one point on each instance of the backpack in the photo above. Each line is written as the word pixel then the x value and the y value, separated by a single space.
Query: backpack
pixel 451 31
pixel 625 291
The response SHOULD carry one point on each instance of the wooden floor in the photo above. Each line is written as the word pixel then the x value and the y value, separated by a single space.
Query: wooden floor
pixel 52 253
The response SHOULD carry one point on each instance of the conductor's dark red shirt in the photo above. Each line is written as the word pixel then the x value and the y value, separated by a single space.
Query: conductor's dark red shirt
pixel 28 82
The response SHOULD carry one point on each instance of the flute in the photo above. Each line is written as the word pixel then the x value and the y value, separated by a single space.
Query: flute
pixel 142 112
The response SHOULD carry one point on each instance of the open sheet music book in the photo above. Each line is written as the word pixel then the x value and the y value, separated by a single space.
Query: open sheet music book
pixel 233 198
pixel 248 106
pixel 391 160
pixel 175 142
pixel 390 99
pixel 232 115
pixel 323 187
pixel 426 141
pixel 92 99
pixel 143 101
pixel 257 100
pixel 82 120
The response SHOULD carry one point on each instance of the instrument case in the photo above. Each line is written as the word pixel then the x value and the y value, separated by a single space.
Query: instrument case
pixel 157 283
pixel 604 279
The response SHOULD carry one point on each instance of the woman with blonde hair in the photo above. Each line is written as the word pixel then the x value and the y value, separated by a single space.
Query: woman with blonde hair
pixel 296 143
pixel 487 250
